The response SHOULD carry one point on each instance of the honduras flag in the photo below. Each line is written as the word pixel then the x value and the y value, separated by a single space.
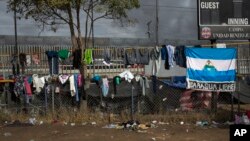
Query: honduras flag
pixel 211 69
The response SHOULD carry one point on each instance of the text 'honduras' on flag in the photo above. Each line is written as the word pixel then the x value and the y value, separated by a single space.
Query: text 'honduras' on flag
pixel 211 68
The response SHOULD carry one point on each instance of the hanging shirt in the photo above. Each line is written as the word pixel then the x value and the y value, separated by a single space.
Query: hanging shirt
pixel 63 54
pixel 88 58
pixel 130 57
pixel 142 56
pixel 38 83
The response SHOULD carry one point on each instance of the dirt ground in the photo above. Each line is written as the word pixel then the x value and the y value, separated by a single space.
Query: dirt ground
pixel 170 132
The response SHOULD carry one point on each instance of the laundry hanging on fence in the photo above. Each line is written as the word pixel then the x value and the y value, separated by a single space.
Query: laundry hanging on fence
pixel 105 87
pixel 142 56
pixel 130 57
pixel 211 69
pixel 53 62
pixel 127 75
pixel 155 56
pixel 116 81
pixel 144 83
pixel 77 55
pixel 15 65
pixel 63 54
pixel 180 57
pixel 35 58
pixel 88 56
pixel 171 58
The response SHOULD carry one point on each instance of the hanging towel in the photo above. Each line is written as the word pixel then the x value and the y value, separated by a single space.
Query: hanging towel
pixel 72 85
pixel 105 87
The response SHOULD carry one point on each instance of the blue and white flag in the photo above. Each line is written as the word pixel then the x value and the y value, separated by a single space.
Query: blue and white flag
pixel 211 69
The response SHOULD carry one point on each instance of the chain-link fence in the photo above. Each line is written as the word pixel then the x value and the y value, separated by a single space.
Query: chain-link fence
pixel 132 98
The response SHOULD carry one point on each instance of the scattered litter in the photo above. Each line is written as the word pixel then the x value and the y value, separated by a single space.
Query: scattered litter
pixel 154 121
pixel 6 122
pixel 154 139
pixel 187 130
pixel 55 132
pixel 72 124
pixel 18 123
pixel 93 123
pixel 142 131
pixel 131 125
pixel 153 126
pixel 32 121
pixel 201 123
pixel 84 123
pixel 164 99
pixel 65 123
pixel 143 126
pixel 160 87
pixel 163 123
pixel 41 122
pixel 55 121
pixel 7 134
pixel 181 122
pixel 110 126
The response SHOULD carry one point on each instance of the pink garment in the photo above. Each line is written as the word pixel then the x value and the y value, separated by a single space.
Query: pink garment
pixel 35 59
pixel 27 87
pixel 79 80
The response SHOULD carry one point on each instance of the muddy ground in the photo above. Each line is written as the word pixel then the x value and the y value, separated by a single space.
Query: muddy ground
pixel 166 132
